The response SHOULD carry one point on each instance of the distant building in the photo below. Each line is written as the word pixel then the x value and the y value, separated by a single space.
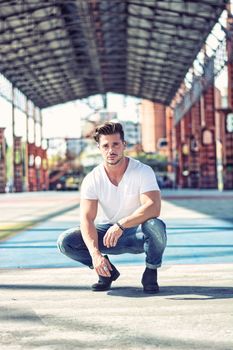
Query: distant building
pixel 105 116
pixel 132 132
pixel 73 147
pixel 91 155
pixel 153 125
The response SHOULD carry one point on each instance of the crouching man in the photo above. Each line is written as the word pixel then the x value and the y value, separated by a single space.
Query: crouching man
pixel 129 195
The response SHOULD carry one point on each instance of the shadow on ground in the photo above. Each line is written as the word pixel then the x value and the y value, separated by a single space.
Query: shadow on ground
pixel 172 292
pixel 177 292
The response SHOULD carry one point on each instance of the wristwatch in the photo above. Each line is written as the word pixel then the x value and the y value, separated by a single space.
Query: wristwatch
pixel 119 225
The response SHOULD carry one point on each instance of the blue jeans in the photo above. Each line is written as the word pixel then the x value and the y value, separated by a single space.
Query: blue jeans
pixel 149 238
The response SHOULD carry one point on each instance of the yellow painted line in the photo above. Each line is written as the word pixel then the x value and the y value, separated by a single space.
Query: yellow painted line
pixel 10 229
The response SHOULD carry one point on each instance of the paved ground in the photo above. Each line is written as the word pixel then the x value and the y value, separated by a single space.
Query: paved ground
pixel 45 298
pixel 21 210
pixel 54 309
pixel 193 236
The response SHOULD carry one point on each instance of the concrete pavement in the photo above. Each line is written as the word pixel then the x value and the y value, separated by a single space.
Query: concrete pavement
pixel 53 308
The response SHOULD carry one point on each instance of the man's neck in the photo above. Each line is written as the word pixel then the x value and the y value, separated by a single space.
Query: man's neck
pixel 116 171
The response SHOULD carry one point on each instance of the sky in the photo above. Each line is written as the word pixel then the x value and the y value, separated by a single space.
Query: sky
pixel 65 120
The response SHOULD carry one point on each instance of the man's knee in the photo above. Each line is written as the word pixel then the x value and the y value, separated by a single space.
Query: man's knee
pixel 154 224
pixel 64 241
pixel 61 242
pixel 156 228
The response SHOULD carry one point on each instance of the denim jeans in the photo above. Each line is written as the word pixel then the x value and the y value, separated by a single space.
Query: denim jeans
pixel 149 238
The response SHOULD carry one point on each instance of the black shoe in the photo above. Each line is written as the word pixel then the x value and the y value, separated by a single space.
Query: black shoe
pixel 104 283
pixel 149 281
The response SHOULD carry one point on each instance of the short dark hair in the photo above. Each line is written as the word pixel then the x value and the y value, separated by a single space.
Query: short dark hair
pixel 109 128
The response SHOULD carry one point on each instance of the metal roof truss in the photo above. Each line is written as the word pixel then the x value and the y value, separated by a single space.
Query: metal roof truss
pixel 57 51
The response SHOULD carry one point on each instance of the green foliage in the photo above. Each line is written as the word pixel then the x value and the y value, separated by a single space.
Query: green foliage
pixel 157 161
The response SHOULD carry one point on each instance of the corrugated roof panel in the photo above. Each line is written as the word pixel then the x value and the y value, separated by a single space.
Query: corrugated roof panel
pixel 65 50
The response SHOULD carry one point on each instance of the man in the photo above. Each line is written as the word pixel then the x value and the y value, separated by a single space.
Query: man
pixel 129 195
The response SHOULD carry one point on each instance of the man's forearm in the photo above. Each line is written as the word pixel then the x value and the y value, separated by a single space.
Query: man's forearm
pixel 140 215
pixel 90 236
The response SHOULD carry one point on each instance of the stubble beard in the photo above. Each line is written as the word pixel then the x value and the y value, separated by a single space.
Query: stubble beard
pixel 116 162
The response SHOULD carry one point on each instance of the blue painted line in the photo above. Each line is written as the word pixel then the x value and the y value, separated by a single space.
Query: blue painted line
pixel 207 241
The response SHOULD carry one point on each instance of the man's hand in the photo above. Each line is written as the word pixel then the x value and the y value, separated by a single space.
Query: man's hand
pixel 101 265
pixel 112 235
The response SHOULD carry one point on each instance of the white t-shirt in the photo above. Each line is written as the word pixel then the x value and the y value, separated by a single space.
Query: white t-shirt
pixel 122 200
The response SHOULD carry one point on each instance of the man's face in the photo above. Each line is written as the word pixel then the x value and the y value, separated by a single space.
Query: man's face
pixel 112 148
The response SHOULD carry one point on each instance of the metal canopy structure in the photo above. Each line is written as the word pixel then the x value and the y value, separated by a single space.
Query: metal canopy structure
pixel 58 51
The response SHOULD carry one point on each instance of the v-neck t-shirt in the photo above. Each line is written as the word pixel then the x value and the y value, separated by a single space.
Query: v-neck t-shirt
pixel 119 201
